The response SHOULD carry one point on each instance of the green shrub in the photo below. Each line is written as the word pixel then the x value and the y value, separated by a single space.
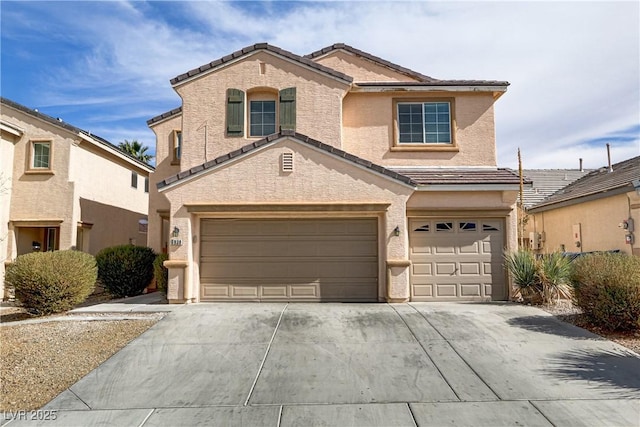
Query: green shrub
pixel 161 273
pixel 607 289
pixel 554 273
pixel 125 270
pixel 51 282
pixel 540 279
pixel 522 266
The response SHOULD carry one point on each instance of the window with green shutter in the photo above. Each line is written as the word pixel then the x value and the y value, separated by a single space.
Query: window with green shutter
pixel 235 112
pixel 288 108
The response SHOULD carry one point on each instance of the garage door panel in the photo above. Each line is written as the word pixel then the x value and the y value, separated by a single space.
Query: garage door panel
pixel 473 248
pixel 471 290
pixel 470 268
pixel 456 259
pixel 445 268
pixel 289 259
pixel 446 290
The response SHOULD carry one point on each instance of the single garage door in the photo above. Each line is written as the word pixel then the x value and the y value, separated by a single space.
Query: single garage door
pixel 289 259
pixel 457 259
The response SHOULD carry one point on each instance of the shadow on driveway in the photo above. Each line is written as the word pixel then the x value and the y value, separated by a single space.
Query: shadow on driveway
pixel 602 367
pixel 551 325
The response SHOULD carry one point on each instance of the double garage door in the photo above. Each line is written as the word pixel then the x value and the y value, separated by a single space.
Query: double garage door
pixel 457 259
pixel 337 259
pixel 289 259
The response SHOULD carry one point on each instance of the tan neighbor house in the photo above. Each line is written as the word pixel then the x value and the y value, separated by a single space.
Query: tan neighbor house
pixel 544 183
pixel 598 212
pixel 63 188
pixel 337 176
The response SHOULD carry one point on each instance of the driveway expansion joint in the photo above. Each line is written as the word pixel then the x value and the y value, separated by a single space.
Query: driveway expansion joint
pixel 458 353
pixel 264 358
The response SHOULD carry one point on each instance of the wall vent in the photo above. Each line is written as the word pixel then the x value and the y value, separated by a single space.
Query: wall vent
pixel 287 162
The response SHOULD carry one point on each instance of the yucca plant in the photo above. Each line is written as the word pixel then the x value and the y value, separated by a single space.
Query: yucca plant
pixel 554 274
pixel 522 266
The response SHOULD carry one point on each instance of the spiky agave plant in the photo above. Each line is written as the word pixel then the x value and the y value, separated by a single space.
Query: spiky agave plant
pixel 522 266
pixel 554 273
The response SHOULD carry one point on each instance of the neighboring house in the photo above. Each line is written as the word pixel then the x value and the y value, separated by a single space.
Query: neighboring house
pixel 544 183
pixel 594 213
pixel 64 188
pixel 337 176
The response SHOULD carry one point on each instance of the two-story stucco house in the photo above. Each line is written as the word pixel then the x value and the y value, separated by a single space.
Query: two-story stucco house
pixel 63 188
pixel 335 176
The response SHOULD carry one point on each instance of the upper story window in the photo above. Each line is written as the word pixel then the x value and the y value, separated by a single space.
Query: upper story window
pixel 262 118
pixel 424 122
pixel 134 179
pixel 176 148
pixel 40 156
pixel 268 111
pixel 146 184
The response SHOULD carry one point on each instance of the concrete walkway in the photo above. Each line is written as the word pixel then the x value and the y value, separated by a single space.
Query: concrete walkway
pixel 424 364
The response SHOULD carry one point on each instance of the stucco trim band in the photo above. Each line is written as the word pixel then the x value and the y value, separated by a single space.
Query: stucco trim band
pixel 36 222
pixel 175 263
pixel 458 213
pixel 286 207
pixel 398 263
pixel 469 187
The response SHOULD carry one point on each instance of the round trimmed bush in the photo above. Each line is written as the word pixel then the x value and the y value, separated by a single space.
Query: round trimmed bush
pixel 51 282
pixel 161 273
pixel 607 289
pixel 125 270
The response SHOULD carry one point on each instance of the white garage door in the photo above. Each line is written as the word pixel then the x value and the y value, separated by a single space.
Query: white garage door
pixel 289 259
pixel 457 259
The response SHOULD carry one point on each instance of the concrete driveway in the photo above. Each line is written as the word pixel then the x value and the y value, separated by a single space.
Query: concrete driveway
pixel 359 364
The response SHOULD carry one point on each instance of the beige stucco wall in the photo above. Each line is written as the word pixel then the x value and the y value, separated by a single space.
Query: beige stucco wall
pixel 318 178
pixel 318 104
pixel 42 195
pixel 7 146
pixel 105 179
pixel 360 69
pixel 598 221
pixel 164 168
pixel 369 130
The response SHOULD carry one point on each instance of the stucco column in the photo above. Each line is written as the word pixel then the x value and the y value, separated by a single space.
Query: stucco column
pixel 397 263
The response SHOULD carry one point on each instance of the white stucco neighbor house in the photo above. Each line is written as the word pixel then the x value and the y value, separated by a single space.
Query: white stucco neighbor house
pixel 63 188
pixel 335 176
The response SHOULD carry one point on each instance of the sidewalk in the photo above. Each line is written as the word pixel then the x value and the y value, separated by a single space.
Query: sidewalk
pixel 147 305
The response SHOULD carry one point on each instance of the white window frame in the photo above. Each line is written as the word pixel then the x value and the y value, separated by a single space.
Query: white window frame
pixel 423 105
pixel 32 155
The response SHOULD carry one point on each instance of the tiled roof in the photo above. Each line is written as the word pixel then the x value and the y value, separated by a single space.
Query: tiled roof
pixel 261 46
pixel 163 116
pixel 453 176
pixel 372 58
pixel 546 182
pixel 299 137
pixel 599 182
pixel 70 128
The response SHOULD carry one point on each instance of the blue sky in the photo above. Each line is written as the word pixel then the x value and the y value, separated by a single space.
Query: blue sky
pixel 574 67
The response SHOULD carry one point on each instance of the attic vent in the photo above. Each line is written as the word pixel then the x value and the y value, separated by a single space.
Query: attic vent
pixel 287 162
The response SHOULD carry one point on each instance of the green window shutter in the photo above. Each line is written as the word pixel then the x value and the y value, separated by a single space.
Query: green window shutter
pixel 235 112
pixel 288 108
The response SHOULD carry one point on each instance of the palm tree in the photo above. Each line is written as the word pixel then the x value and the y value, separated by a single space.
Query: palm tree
pixel 135 149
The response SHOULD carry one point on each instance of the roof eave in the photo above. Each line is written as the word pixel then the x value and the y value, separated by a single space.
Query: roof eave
pixel 180 80
pixel 469 187
pixel 497 90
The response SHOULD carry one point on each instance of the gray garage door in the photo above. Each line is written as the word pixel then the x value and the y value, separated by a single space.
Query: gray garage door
pixel 289 259
pixel 457 259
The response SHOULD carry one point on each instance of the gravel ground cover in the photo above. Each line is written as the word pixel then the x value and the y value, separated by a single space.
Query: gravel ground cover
pixel 40 360
pixel 566 312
